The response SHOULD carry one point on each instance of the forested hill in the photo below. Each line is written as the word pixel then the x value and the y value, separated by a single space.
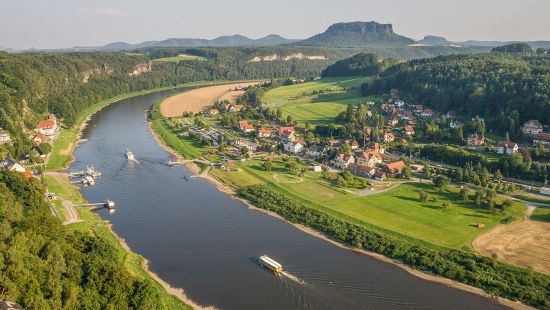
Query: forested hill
pixel 506 90
pixel 360 64
pixel 44 265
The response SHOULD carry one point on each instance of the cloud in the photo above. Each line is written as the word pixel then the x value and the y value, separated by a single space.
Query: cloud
pixel 105 12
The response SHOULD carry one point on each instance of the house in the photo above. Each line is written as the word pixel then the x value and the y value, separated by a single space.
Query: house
pixel 47 127
pixel 4 136
pixel 394 92
pixel 399 103
pixel 246 127
pixel 363 171
pixel 407 115
pixel 287 128
pixel 395 168
pixel 15 167
pixel 409 130
pixel 38 138
pixel 378 147
pixel 532 127
pixel 411 123
pixel 476 140
pixel 251 146
pixel 418 108
pixel 389 137
pixel 294 147
pixel 343 160
pixel 427 113
pixel 387 107
pixel 334 143
pixel 238 107
pixel 316 168
pixel 369 158
pixel 354 145
pixel 542 138
pixel 315 151
pixel 455 124
pixel 214 111
pixel 371 103
pixel 264 132
pixel 392 122
pixel 288 136
pixel 507 147
pixel 416 167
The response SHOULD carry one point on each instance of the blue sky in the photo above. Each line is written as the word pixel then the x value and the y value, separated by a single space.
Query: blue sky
pixel 67 23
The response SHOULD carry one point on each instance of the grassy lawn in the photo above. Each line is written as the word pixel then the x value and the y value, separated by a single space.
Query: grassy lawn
pixel 300 102
pixel 397 212
pixel 541 214
pixel 180 57
pixel 185 146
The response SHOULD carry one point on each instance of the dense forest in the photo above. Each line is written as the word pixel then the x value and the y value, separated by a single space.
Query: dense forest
pixel 359 64
pixel 43 265
pixel 506 90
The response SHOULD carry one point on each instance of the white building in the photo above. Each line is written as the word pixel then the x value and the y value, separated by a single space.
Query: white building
pixel 4 136
pixel 293 147
pixel 532 127
pixel 507 147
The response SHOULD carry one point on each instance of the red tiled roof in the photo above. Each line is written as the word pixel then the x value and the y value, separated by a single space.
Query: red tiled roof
pixel 396 166
pixel 283 129
pixel 46 124
pixel 409 129
pixel 264 131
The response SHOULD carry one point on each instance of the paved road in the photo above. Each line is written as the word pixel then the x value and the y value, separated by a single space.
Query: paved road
pixel 71 215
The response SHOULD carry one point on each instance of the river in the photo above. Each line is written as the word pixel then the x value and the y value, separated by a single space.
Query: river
pixel 207 243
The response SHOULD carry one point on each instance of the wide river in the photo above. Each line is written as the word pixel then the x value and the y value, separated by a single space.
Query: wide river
pixel 207 243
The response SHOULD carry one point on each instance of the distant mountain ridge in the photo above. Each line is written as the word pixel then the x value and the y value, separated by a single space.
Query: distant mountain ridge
pixel 233 40
pixel 356 34
pixel 441 41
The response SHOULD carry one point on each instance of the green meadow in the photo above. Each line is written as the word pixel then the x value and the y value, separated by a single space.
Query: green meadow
pixel 398 211
pixel 317 102
pixel 180 57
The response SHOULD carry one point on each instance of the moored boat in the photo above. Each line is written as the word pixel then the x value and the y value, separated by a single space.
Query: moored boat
pixel 271 264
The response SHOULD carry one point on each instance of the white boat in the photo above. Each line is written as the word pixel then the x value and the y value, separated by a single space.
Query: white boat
pixel 271 264
pixel 129 155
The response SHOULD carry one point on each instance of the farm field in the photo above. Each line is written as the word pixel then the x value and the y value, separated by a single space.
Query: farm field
pixel 197 99
pixel 181 57
pixel 525 243
pixel 302 104
pixel 541 214
pixel 397 211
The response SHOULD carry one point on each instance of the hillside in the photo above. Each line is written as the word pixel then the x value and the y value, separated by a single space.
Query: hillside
pixel 360 64
pixel 356 34
pixel 521 48
pixel 506 90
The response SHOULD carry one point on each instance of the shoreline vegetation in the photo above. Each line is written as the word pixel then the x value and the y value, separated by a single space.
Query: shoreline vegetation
pixel 61 158
pixel 223 186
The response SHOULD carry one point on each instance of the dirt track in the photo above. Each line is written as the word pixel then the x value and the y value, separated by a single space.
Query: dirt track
pixel 525 243
pixel 196 100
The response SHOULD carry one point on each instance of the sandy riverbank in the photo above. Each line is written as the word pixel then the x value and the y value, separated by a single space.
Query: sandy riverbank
pixel 426 276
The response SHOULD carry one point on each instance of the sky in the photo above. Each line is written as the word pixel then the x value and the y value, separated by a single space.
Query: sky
pixel 67 23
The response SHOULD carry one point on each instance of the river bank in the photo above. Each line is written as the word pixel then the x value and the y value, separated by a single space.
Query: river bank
pixel 62 157
pixel 222 186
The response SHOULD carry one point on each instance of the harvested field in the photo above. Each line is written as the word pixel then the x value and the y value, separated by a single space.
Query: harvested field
pixel 232 96
pixel 197 99
pixel 526 243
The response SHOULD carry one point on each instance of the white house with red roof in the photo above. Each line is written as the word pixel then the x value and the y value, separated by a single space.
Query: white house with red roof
pixel 47 127
pixel 369 158
pixel 264 132
pixel 246 127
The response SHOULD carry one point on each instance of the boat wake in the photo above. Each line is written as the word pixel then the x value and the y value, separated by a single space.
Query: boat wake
pixel 293 278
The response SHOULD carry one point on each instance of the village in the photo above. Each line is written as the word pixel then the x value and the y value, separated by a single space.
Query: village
pixel 224 125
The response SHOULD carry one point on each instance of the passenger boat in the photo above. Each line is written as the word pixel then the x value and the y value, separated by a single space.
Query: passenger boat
pixel 129 155
pixel 271 264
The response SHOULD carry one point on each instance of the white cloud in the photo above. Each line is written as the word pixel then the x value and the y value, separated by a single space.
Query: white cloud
pixel 105 12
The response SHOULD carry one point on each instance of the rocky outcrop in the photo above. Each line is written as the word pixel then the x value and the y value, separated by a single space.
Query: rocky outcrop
pixel 141 68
